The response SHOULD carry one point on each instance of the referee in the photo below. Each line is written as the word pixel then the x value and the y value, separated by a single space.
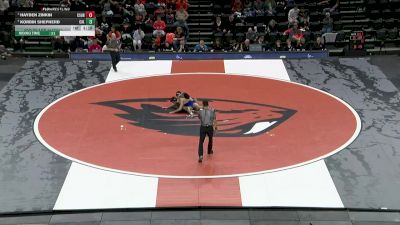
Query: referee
pixel 113 45
pixel 208 121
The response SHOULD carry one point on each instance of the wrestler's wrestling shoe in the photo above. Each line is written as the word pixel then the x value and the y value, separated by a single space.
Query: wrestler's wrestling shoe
pixel 200 159
pixel 191 115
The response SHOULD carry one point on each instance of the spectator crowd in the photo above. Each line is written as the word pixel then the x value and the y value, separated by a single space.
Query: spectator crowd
pixel 152 24
pixel 161 25
pixel 273 25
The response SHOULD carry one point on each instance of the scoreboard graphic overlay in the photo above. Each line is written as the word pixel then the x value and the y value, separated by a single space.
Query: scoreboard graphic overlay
pixel 55 23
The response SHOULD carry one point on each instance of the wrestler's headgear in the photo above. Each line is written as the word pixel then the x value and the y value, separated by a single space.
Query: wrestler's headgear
pixel 173 99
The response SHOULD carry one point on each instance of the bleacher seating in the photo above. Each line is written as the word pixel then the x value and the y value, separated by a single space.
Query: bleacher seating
pixel 379 19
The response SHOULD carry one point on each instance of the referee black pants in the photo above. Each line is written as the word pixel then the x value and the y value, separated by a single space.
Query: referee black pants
pixel 115 58
pixel 209 131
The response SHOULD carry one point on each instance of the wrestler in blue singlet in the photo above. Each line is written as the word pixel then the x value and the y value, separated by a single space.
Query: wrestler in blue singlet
pixel 190 103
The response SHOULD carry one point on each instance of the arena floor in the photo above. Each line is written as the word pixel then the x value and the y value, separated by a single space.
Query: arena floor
pixel 294 133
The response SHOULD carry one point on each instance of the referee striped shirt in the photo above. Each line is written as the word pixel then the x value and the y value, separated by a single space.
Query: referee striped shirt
pixel 207 117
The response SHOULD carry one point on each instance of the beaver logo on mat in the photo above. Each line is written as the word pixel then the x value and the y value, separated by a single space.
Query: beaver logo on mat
pixel 235 118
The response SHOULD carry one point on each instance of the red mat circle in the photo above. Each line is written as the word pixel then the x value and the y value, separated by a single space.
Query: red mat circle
pixel 91 134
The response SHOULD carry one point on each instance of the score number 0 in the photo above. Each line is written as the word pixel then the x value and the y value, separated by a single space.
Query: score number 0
pixel 90 14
